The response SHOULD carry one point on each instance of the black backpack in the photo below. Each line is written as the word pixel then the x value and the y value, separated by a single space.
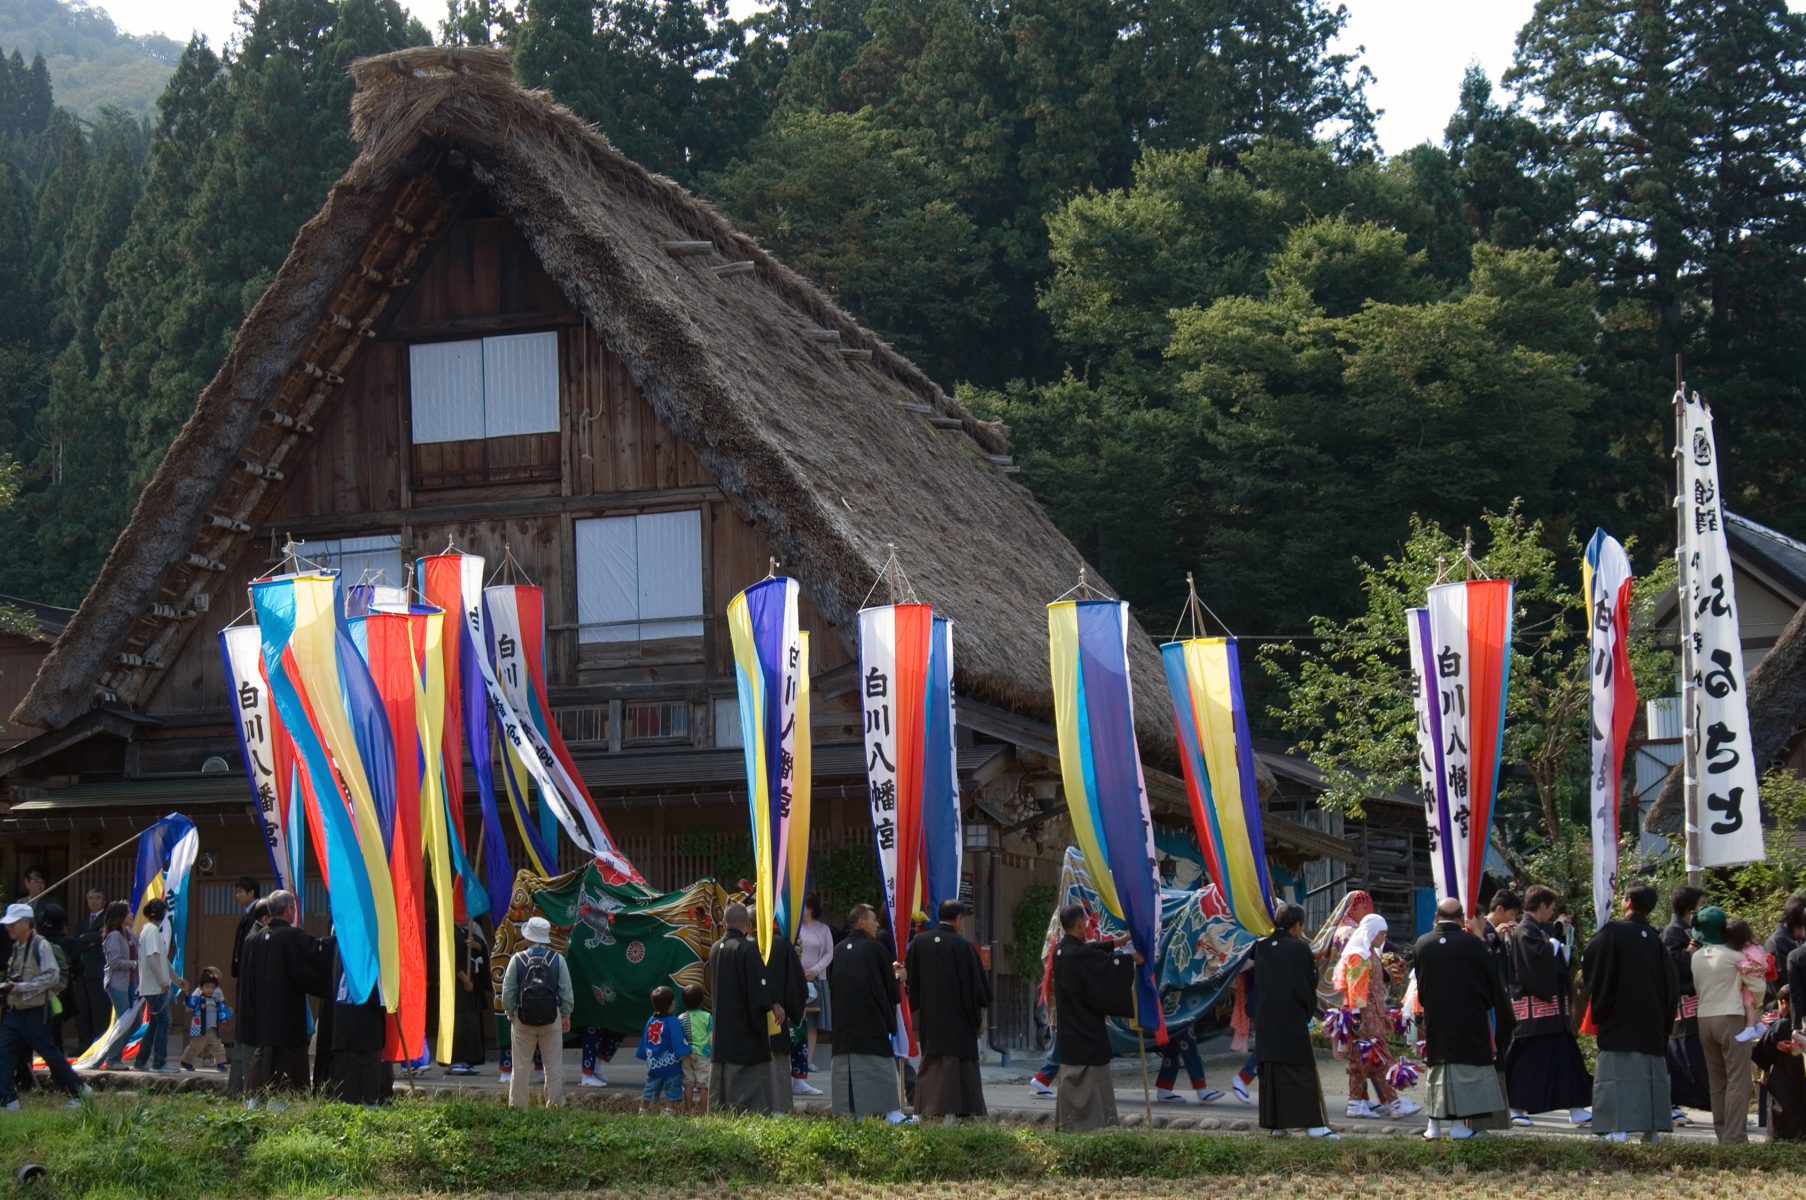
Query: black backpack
pixel 537 1003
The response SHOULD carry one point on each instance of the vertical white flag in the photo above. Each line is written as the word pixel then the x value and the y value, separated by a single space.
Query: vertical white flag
pixel 1721 758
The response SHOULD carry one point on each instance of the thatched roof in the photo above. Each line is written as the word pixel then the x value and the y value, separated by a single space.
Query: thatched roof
pixel 835 455
pixel 1777 699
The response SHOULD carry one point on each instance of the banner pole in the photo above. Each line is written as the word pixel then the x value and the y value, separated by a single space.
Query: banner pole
pixel 1147 1095
pixel 104 854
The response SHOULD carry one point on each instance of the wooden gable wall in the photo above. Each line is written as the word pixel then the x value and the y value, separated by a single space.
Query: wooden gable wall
pixel 611 456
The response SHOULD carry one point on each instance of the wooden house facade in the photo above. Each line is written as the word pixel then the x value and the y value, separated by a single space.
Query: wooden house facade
pixel 501 335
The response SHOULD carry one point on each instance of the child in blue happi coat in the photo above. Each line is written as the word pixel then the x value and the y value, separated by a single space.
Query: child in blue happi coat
pixel 664 1048
pixel 207 1004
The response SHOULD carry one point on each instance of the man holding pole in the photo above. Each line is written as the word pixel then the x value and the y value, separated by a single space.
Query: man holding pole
pixel 1092 981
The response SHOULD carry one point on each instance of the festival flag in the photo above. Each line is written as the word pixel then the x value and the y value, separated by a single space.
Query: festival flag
pixel 515 671
pixel 1724 814
pixel 1431 778
pixel 1605 580
pixel 166 855
pixel 1462 652
pixel 769 668
pixel 1204 678
pixel 943 830
pixel 313 669
pixel 390 652
pixel 441 586
pixel 1100 763
pixel 895 663
pixel 426 635
pixel 260 734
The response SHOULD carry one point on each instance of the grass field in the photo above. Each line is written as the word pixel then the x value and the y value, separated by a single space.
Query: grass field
pixel 190 1147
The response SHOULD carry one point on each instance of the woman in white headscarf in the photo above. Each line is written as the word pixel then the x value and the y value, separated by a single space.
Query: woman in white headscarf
pixel 1360 976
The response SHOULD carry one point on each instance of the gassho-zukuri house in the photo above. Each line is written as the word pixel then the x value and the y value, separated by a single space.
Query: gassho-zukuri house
pixel 500 334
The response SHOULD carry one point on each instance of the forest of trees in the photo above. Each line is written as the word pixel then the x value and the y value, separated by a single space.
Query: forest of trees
pixel 1157 237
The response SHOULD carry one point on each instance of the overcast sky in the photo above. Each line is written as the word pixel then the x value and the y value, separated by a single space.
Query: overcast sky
pixel 1417 49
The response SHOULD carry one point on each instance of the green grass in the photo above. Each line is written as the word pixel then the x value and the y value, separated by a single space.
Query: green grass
pixel 189 1146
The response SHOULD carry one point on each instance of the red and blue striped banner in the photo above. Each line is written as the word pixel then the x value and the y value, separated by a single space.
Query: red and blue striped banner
pixel 1100 764
pixel 441 586
pixel 1204 678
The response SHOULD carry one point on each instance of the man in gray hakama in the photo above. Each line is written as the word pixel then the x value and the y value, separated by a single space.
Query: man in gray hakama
pixel 1091 981
pixel 1291 1094
pixel 1467 1022
pixel 862 975
pixel 740 1069
pixel 1633 988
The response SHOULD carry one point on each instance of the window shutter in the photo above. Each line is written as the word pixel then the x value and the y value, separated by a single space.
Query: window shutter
pixel 445 390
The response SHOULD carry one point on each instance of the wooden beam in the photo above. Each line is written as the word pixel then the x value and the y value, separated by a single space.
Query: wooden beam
pixel 915 406
pixel 855 354
pixel 221 521
pixel 601 504
pixel 686 249
pixel 284 421
pixel 822 335
pixel 745 266
pixel 477 326
pixel 946 422
pixel 259 470
pixel 202 563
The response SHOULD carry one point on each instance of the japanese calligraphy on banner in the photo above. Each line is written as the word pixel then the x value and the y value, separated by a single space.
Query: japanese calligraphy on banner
pixel 259 735
pixel 1721 760
pixel 1605 579
pixel 1100 766
pixel 1204 679
pixel 771 671
pixel 1461 652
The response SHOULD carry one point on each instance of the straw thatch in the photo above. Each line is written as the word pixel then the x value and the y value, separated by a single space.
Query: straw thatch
pixel 834 459
pixel 1776 693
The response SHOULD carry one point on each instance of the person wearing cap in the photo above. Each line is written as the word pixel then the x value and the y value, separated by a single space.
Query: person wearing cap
pixel 32 977
pixel 740 1075
pixel 1719 986
pixel 530 972
pixel 949 994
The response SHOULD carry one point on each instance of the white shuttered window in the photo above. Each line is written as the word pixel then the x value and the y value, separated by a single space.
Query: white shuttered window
pixel 484 388
pixel 639 578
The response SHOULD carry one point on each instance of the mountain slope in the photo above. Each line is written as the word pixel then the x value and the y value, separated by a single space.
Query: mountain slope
pixel 92 62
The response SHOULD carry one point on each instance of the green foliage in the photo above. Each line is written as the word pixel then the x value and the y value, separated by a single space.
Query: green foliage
pixel 93 63
pixel 847 876
pixel 1028 928
pixel 188 1145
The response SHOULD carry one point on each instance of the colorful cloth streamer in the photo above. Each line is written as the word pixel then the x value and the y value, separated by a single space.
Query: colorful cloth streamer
pixel 308 659
pixel 1204 678
pixel 515 672
pixel 770 670
pixel 260 732
pixel 896 653
pixel 1606 580
pixel 1100 763
pixel 166 855
pixel 1403 1074
pixel 943 831
pixel 1460 646
pixel 441 586
pixel 1338 1025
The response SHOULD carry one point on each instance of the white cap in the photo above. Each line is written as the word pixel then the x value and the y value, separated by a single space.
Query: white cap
pixel 537 929
pixel 18 912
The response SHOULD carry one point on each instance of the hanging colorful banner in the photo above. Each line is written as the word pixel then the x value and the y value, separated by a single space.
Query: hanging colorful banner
pixel 166 856
pixel 895 663
pixel 441 586
pixel 1605 581
pixel 259 733
pixel 1204 678
pixel 310 664
pixel 1467 664
pixel 426 634
pixel 770 670
pixel 1724 815
pixel 516 672
pixel 943 830
pixel 1100 764
pixel 1432 780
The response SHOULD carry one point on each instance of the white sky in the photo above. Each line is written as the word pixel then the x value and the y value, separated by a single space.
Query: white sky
pixel 1417 49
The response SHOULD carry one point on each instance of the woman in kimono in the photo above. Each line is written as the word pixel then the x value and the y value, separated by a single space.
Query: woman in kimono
pixel 1361 979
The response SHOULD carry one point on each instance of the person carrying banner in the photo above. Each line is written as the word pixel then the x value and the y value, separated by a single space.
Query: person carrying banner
pixel 865 979
pixel 1633 988
pixel 1688 1085
pixel 1291 1094
pixel 1467 1021
pixel 949 994
pixel 1543 1066
pixel 1092 981
pixel 740 1069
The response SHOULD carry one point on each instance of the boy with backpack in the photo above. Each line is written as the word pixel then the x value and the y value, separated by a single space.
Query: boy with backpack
pixel 537 998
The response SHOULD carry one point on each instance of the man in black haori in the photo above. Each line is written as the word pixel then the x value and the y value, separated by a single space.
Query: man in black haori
pixel 1632 987
pixel 1291 1093
pixel 948 993
pixel 740 1068
pixel 789 992
pixel 287 966
pixel 1544 1070
pixel 862 978
pixel 1466 1021
pixel 1688 1086
pixel 1092 981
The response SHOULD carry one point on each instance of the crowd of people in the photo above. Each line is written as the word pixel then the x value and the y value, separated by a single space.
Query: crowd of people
pixel 1683 1016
